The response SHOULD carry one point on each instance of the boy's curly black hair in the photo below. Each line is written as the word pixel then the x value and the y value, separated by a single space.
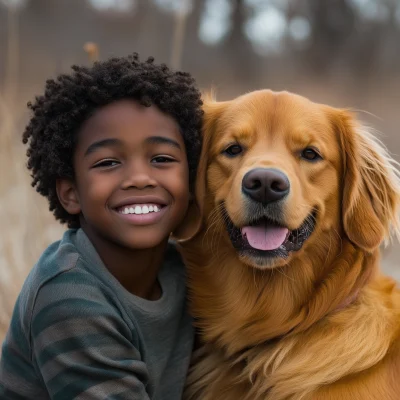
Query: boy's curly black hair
pixel 71 99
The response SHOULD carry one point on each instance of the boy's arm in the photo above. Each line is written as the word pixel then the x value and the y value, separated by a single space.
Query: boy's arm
pixel 82 346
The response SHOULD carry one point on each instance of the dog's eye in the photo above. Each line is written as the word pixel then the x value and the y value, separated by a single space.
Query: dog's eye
pixel 310 154
pixel 233 150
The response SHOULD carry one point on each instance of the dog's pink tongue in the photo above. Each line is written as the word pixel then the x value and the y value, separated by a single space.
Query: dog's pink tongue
pixel 265 237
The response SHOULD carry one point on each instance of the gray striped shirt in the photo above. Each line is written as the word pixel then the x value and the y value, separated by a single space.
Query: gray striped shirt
pixel 76 333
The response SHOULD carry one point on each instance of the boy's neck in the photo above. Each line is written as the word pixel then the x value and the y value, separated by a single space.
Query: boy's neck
pixel 136 270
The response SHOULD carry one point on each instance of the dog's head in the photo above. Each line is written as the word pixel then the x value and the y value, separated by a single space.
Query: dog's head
pixel 278 171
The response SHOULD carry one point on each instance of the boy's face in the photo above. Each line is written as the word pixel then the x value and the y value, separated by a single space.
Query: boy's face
pixel 132 176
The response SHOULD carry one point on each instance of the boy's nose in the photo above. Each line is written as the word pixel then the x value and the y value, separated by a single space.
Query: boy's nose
pixel 138 177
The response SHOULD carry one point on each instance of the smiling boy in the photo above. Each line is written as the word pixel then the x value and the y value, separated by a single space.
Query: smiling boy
pixel 103 314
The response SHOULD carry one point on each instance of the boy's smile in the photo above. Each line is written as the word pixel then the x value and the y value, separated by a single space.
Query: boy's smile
pixel 131 175
pixel 142 210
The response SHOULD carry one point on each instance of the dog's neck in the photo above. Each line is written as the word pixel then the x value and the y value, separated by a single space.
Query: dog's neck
pixel 348 301
pixel 242 306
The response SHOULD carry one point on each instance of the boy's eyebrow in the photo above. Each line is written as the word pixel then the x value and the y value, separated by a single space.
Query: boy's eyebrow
pixel 102 143
pixel 163 140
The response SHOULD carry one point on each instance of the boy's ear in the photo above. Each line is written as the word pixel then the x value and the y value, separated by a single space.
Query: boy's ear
pixel 192 223
pixel 68 196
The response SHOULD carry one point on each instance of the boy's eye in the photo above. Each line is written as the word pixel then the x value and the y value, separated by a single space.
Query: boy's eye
pixel 162 159
pixel 106 163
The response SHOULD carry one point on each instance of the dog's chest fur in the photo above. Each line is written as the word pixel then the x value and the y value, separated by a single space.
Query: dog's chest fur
pixel 351 348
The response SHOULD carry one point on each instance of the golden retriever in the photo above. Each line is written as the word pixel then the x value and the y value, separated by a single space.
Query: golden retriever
pixel 295 199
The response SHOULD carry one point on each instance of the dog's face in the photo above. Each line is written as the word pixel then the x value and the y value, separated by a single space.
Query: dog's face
pixel 278 171
pixel 274 169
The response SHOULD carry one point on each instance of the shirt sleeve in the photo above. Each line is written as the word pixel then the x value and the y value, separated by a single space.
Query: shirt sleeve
pixel 81 345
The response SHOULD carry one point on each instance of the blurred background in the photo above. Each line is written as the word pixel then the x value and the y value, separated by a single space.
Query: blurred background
pixel 342 52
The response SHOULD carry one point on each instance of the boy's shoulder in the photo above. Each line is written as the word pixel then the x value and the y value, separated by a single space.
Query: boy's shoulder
pixel 62 286
pixel 68 261
pixel 59 270
pixel 59 257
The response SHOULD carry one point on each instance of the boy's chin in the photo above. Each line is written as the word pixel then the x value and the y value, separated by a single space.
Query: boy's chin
pixel 137 238
pixel 143 241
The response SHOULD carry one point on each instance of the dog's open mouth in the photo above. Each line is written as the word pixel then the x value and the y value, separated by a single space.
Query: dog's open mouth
pixel 267 238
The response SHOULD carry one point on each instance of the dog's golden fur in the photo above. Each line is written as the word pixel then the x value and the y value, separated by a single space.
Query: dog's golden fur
pixel 322 323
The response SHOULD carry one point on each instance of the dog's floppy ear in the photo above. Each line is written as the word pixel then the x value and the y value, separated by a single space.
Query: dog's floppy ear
pixel 371 191
pixel 193 221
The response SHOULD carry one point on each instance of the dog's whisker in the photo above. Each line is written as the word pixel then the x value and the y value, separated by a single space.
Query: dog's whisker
pixel 280 270
pixel 211 231
pixel 329 249
pixel 214 219
pixel 340 241
pixel 254 279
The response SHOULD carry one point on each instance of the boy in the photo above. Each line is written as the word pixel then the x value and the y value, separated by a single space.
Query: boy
pixel 114 148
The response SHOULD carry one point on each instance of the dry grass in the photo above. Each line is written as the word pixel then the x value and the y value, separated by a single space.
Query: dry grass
pixel 27 226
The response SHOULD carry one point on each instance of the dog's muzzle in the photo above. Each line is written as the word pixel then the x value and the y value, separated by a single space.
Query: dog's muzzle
pixel 265 233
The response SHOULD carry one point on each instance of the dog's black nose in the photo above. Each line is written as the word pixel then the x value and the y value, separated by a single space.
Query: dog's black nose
pixel 265 185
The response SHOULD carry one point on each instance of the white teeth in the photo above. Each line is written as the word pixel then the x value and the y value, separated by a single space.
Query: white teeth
pixel 138 210
pixel 145 209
